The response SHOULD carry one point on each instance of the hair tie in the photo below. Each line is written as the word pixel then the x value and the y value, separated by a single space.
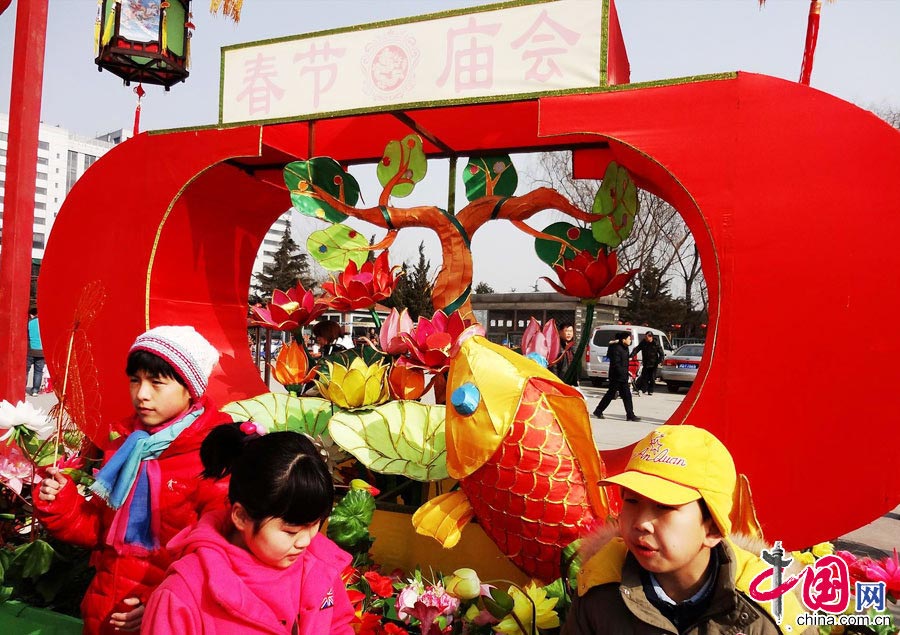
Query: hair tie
pixel 252 430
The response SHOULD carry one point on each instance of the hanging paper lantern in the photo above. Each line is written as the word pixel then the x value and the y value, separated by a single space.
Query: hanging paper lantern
pixel 144 40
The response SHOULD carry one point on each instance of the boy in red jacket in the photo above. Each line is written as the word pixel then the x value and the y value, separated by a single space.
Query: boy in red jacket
pixel 149 487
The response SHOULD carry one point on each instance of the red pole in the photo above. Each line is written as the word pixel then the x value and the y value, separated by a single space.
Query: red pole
pixel 812 35
pixel 18 212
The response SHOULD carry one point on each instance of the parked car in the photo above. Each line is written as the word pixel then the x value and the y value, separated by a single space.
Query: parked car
pixel 596 363
pixel 680 369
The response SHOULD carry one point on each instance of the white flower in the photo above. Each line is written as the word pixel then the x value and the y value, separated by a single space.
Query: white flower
pixel 24 414
pixel 7 419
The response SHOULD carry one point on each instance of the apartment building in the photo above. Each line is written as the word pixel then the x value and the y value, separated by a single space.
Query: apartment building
pixel 63 156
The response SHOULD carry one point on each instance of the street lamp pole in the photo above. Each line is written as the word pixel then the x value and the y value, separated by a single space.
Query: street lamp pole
pixel 18 208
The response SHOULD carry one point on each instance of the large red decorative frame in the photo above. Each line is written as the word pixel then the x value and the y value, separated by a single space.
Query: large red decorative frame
pixel 791 194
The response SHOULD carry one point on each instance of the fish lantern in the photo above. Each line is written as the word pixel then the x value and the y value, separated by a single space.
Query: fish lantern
pixel 144 41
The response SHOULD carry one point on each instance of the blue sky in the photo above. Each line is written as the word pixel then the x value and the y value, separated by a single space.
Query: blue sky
pixel 858 59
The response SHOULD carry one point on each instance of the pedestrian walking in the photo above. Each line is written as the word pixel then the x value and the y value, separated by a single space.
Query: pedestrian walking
pixel 651 357
pixel 618 377
pixel 35 359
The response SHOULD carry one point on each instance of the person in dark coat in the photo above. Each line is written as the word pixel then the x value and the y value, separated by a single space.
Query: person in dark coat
pixel 618 377
pixel 651 357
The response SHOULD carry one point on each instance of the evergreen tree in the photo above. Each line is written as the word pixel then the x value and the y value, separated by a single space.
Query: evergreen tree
pixel 289 267
pixel 413 291
pixel 651 303
pixel 483 287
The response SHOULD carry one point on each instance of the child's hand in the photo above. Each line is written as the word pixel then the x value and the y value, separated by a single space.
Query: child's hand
pixel 130 621
pixel 50 486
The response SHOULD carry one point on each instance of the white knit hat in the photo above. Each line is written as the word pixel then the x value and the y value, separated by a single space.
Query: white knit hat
pixel 186 351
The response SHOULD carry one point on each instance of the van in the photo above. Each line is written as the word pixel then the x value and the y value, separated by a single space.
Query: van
pixel 596 363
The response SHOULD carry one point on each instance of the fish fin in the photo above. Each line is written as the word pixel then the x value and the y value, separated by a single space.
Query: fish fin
pixel 573 418
pixel 444 517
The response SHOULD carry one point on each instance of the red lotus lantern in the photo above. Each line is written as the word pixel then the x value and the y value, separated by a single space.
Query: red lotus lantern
pixel 144 40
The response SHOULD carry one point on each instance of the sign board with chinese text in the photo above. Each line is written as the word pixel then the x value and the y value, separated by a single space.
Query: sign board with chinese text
pixel 486 53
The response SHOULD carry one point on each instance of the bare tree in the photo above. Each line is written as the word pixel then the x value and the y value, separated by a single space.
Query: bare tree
pixel 890 114
pixel 659 242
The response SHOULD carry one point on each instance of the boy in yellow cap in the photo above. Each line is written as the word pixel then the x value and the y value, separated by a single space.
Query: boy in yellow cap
pixel 670 567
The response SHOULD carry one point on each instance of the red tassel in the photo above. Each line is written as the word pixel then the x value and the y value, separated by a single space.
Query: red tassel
pixel 812 35
pixel 140 92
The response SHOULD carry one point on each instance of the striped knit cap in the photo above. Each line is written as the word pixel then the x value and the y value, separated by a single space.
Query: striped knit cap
pixel 186 351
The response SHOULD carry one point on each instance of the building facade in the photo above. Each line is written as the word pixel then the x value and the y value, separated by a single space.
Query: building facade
pixel 505 315
pixel 63 156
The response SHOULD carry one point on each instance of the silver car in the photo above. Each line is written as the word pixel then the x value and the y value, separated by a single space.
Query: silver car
pixel 679 370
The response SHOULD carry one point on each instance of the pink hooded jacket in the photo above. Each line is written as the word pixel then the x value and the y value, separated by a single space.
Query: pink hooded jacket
pixel 217 587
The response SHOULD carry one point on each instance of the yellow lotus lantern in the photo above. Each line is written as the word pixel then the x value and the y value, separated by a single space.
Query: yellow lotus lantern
pixel 359 385
pixel 291 368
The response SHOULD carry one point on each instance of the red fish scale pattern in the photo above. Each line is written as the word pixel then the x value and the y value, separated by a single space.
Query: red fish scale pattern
pixel 530 497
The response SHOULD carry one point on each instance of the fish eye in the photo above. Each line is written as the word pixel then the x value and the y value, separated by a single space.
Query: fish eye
pixel 465 399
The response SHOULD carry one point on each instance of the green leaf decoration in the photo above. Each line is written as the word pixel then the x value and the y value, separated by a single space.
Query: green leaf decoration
pixel 498 602
pixel 552 252
pixel 302 177
pixel 336 245
pixel 617 201
pixel 404 157
pixel 36 558
pixel 498 169
pixel 349 523
pixel 278 411
pixel 399 437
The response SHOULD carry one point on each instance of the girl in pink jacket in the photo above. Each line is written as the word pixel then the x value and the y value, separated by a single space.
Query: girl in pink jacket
pixel 260 566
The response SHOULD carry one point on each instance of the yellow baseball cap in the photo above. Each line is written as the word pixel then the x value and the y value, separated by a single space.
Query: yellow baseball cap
pixel 674 465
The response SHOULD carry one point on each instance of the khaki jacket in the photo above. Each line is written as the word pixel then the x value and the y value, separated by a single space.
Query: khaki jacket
pixel 611 599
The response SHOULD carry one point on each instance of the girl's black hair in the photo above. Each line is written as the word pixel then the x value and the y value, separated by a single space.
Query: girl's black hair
pixel 153 365
pixel 276 475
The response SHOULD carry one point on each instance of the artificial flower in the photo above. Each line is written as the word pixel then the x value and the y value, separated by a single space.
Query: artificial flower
pixel 463 583
pixel 433 342
pixel 381 585
pixel 289 311
pixel 24 415
pixel 856 566
pixel 16 470
pixel 887 571
pixel 292 367
pixel 359 385
pixel 406 382
pixel 389 335
pixel 360 288
pixel 803 557
pixel 358 483
pixel 541 343
pixel 426 604
pixel 822 549
pixel 370 624
pixel 590 277
pixel 533 600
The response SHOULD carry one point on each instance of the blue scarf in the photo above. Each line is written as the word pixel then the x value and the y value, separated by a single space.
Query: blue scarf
pixel 124 476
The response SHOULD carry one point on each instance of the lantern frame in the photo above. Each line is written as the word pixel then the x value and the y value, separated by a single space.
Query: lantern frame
pixel 149 62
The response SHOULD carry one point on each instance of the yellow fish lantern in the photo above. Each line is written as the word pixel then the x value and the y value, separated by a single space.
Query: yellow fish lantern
pixel 519 441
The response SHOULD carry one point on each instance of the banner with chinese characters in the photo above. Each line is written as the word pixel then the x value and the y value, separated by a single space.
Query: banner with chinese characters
pixel 531 49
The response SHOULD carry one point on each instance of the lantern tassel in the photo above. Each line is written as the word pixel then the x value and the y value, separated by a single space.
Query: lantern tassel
pixel 230 8
pixel 164 26
pixel 98 22
pixel 189 28
pixel 139 91
pixel 812 36
pixel 109 27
